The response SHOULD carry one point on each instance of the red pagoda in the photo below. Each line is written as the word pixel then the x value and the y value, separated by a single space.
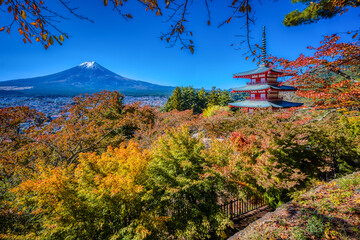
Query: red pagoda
pixel 264 88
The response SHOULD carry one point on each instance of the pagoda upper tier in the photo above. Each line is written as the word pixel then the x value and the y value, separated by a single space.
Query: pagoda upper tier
pixel 259 72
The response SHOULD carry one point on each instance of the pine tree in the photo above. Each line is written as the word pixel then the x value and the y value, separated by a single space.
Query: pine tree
pixel 201 99
pixel 188 98
pixel 174 102
pixel 213 97
pixel 224 98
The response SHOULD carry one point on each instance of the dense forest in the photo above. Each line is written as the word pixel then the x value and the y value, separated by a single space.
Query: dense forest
pixel 105 170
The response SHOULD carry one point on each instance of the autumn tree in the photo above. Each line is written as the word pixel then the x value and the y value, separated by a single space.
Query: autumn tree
pixel 164 121
pixel 330 76
pixel 98 198
pixel 15 124
pixel 92 123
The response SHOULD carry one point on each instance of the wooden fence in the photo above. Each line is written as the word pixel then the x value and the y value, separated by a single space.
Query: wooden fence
pixel 238 207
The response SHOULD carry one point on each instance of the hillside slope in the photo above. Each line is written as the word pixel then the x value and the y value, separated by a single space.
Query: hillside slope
pixel 331 211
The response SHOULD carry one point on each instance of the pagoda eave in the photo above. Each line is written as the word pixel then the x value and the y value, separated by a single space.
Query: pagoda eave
pixel 260 71
pixel 235 91
pixel 263 87
pixel 256 75
pixel 264 104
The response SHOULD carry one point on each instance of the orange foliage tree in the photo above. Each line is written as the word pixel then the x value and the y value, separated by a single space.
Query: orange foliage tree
pixel 162 122
pixel 15 124
pixel 91 124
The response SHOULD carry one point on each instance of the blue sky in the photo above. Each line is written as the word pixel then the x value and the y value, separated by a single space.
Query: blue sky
pixel 133 49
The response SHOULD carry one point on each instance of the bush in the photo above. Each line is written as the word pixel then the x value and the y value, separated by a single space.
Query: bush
pixel 213 110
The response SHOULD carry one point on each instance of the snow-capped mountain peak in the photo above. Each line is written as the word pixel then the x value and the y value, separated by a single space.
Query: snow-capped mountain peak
pixel 89 65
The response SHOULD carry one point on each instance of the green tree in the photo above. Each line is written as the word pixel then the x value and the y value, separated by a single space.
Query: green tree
pixel 174 102
pixel 183 187
pixel 201 96
pixel 213 98
pixel 224 98
pixel 188 98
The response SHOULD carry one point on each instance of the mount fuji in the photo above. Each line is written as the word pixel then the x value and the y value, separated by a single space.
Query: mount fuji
pixel 88 77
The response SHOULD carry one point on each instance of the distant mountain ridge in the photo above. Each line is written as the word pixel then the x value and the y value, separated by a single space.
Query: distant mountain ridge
pixel 88 77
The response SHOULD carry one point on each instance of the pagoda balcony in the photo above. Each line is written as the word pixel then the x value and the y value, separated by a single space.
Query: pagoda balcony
pixel 265 99
pixel 259 83
pixel 275 98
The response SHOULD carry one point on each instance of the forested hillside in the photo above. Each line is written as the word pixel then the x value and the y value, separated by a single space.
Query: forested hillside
pixel 105 170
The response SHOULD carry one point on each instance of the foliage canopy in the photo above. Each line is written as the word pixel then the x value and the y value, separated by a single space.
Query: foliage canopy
pixel 105 170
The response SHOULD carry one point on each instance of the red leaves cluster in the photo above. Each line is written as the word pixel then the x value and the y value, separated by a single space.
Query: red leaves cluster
pixel 241 141
pixel 330 77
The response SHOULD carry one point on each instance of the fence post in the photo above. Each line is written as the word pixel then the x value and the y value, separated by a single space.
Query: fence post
pixel 242 206
pixel 237 207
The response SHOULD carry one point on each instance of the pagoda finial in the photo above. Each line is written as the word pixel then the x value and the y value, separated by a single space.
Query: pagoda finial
pixel 264 61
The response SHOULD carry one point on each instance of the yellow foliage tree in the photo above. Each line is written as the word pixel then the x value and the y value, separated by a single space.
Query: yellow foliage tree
pixel 99 198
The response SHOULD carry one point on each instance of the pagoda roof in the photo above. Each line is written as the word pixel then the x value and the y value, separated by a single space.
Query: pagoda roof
pixel 264 104
pixel 261 69
pixel 258 87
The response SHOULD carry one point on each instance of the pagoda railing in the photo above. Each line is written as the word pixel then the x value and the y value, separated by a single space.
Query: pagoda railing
pixel 265 99
pixel 260 83
pixel 275 99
